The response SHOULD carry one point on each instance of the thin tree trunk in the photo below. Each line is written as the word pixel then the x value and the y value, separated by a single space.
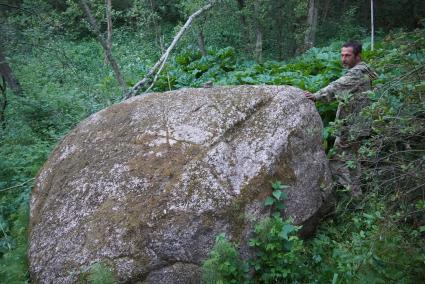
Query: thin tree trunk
pixel 258 44
pixel 3 103
pixel 108 5
pixel 156 69
pixel 241 6
pixel 244 24
pixel 258 52
pixel 157 27
pixel 280 40
pixel 286 30
pixel 372 25
pixel 344 6
pixel 8 76
pixel 326 10
pixel 310 37
pixel 416 15
pixel 201 43
pixel 108 52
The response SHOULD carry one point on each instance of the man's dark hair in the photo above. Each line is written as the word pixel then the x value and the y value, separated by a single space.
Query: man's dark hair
pixel 357 46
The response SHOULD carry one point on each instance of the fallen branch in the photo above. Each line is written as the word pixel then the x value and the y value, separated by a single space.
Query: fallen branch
pixel 18 185
pixel 161 62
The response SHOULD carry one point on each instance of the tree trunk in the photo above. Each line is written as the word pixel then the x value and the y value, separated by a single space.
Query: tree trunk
pixel 156 26
pixel 201 43
pixel 280 33
pixel 8 76
pixel 3 103
pixel 326 10
pixel 310 36
pixel 344 6
pixel 416 15
pixel 372 26
pixel 108 5
pixel 258 44
pixel 244 24
pixel 258 52
pixel 241 6
pixel 108 52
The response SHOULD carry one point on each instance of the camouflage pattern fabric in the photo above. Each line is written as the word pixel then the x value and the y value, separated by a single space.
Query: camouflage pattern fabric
pixel 356 80
pixel 346 170
pixel 351 92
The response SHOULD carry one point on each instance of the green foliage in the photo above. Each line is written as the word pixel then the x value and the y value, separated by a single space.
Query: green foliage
pixel 377 238
pixel 277 256
pixel 98 273
pixel 13 263
pixel 224 264
pixel 277 197
pixel 312 71
pixel 363 247
pixel 276 246
pixel 278 251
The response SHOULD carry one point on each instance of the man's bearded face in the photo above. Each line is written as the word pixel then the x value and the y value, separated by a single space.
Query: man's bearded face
pixel 348 58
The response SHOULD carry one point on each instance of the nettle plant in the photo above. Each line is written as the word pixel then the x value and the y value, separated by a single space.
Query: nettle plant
pixel 277 197
pixel 277 250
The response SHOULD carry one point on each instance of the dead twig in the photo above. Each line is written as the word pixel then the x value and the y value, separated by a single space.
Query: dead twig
pixel 18 185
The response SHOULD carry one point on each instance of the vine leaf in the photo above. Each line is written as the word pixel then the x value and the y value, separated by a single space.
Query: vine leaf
pixel 269 201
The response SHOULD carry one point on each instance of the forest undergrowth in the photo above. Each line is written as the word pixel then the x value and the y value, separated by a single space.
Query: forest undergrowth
pixel 378 238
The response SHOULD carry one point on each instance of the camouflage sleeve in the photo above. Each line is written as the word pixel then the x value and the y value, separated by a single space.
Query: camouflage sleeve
pixel 347 83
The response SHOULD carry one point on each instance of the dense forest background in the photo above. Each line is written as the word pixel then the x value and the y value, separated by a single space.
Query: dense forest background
pixel 56 71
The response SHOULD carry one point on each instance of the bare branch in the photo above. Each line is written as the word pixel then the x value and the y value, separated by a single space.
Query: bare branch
pixel 161 62
pixel 156 77
pixel 95 28
pixel 18 185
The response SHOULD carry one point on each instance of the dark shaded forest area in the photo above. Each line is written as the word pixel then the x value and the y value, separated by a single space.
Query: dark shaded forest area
pixel 62 60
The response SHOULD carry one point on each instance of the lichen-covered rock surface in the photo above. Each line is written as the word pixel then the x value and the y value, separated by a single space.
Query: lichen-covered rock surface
pixel 146 185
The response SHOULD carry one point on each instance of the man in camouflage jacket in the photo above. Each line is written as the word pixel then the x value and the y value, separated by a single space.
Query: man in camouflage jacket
pixel 349 90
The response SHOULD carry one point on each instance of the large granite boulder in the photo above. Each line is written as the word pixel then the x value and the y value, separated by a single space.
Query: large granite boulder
pixel 146 185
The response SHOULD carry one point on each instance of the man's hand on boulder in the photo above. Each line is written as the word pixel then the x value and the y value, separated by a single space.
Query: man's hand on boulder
pixel 309 96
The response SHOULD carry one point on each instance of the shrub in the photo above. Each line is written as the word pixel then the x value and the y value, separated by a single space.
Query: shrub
pixel 276 246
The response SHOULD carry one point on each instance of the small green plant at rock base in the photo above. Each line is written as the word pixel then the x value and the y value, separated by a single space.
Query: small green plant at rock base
pixel 98 273
pixel 278 195
pixel 224 264
pixel 275 243
pixel 277 250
